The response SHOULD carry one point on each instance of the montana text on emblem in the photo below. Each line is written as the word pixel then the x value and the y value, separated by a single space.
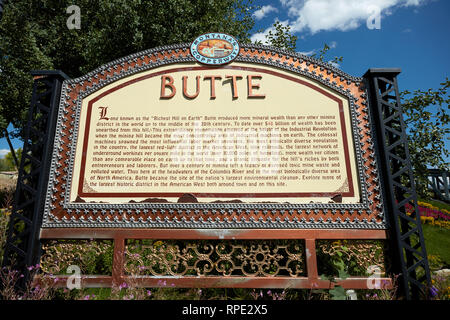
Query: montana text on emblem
pixel 215 48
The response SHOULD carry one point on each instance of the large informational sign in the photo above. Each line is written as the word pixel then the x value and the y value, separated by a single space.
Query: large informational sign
pixel 214 135
pixel 236 163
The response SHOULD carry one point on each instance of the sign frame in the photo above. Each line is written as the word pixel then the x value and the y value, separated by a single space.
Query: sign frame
pixel 375 91
pixel 365 215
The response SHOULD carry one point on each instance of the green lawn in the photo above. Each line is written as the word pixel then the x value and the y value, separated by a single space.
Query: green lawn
pixel 437 242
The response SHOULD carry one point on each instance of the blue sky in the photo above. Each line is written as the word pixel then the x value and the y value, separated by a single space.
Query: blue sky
pixel 413 36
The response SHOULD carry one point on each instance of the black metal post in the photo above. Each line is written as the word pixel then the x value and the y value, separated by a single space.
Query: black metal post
pixel 23 246
pixel 1 9
pixel 405 230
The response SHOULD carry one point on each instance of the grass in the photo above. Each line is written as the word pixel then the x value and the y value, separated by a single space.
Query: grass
pixel 437 242
pixel 100 293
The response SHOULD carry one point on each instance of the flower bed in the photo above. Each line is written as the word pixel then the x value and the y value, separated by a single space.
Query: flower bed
pixel 430 214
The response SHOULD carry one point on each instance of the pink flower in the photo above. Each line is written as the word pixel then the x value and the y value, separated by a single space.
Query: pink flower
pixel 162 283
pixel 123 285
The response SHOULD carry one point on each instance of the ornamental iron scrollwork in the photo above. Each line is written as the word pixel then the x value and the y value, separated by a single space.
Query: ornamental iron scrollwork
pixel 213 258
pixel 358 256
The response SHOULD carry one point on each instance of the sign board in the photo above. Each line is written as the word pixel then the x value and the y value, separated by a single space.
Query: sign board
pixel 247 153
pixel 227 137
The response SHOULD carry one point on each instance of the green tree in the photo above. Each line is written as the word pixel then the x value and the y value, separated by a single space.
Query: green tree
pixel 427 118
pixel 10 162
pixel 34 35
pixel 281 37
pixel 323 52
pixel 3 165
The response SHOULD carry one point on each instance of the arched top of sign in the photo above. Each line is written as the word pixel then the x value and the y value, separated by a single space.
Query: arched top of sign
pixel 77 196
pixel 215 48
pixel 252 53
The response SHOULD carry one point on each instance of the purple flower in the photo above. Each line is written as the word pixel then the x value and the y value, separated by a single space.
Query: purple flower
pixel 123 285
pixel 434 291
pixel 149 293
pixel 86 297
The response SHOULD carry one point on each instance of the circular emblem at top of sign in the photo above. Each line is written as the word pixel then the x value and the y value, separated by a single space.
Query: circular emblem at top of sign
pixel 215 48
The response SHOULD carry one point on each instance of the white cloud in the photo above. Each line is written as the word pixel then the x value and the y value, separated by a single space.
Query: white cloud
pixel 4 152
pixel 413 2
pixel 343 15
pixel 307 53
pixel 264 11
pixel 334 64
pixel 260 36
